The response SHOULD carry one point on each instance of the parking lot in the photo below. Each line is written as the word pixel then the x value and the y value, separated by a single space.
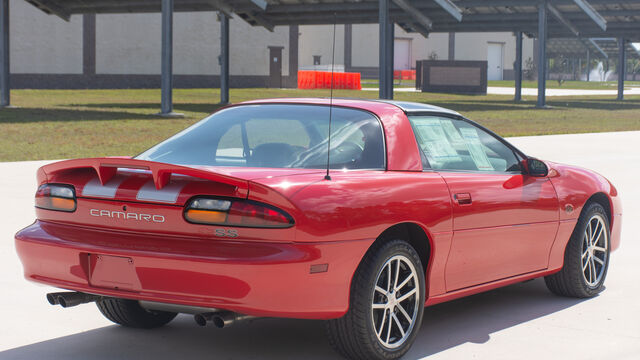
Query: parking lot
pixel 522 321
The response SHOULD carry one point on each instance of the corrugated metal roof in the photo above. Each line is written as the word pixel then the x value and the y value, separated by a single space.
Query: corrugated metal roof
pixel 597 46
pixel 567 18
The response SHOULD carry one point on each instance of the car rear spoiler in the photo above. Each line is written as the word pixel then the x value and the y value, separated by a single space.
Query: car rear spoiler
pixel 107 167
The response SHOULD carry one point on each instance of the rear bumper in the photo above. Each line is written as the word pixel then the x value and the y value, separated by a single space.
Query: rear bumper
pixel 261 279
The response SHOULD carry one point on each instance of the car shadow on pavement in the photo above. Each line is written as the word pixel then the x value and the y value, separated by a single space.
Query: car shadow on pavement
pixel 473 319
pixel 445 326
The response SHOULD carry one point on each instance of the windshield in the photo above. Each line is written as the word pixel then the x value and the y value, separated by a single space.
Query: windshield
pixel 277 136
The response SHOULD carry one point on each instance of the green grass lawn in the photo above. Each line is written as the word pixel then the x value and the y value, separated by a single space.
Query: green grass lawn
pixel 57 124
pixel 553 84
pixel 371 83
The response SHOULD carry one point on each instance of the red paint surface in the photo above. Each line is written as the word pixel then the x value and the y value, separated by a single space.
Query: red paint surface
pixel 508 228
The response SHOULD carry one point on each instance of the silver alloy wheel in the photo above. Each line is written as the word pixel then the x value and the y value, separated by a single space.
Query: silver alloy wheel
pixel 595 244
pixel 395 301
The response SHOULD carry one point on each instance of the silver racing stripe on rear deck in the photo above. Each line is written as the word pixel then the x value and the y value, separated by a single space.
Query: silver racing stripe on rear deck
pixel 168 194
pixel 94 188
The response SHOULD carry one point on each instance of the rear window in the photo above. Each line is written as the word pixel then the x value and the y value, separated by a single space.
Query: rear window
pixel 277 136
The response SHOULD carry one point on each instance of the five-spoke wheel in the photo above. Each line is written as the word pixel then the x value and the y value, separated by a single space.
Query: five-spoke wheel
pixel 595 250
pixel 395 301
pixel 386 304
pixel 586 257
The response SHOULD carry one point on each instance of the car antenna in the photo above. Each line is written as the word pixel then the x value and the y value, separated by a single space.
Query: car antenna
pixel 333 53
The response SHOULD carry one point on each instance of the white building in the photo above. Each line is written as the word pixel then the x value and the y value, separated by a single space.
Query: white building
pixel 123 50
pixel 357 48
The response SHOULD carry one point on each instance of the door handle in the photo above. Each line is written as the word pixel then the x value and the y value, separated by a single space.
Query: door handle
pixel 463 198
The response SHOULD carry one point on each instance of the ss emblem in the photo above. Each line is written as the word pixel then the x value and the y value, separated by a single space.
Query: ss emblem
pixel 226 233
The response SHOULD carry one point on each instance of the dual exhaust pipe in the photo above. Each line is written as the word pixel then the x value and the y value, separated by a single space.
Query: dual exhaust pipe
pixel 71 298
pixel 219 319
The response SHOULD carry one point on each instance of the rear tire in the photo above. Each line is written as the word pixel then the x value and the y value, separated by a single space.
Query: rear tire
pixel 586 258
pixel 129 313
pixel 386 305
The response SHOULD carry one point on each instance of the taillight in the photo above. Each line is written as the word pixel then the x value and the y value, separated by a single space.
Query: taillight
pixel 236 213
pixel 56 197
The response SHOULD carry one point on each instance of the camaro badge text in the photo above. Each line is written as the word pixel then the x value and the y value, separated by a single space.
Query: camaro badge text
pixel 127 215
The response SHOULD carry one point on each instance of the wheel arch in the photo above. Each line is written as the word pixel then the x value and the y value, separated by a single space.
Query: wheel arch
pixel 559 248
pixel 415 235
pixel 602 199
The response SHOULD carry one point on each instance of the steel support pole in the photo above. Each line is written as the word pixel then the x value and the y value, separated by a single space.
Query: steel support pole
pixel 588 65
pixel 390 59
pixel 542 53
pixel 621 67
pixel 579 74
pixel 5 70
pixel 383 21
pixel 518 66
pixel 224 58
pixel 166 77
pixel 452 46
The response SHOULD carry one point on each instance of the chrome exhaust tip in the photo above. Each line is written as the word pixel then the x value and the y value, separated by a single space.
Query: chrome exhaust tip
pixel 221 319
pixel 203 319
pixel 52 298
pixel 71 298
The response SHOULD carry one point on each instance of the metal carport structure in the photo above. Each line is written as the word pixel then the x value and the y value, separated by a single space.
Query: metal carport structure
pixel 589 48
pixel 543 19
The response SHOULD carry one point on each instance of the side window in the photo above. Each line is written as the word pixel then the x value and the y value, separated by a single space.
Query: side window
pixel 449 144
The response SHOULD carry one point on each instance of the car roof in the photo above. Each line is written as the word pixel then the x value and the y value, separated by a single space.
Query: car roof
pixel 410 107
pixel 406 106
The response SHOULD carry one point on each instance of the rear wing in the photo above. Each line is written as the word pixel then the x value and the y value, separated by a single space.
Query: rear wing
pixel 107 167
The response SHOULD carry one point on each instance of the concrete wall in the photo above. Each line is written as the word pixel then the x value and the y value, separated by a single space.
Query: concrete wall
pixel 468 46
pixel 249 48
pixel 46 51
pixel 473 46
pixel 131 44
pixel 364 51
pixel 41 43
pixel 365 45
pixel 318 40
pixel 128 44
pixel 422 48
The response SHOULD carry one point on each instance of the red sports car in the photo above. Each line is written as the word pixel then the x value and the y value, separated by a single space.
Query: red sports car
pixel 357 212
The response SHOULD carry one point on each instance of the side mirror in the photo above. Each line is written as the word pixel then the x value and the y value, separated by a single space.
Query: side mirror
pixel 535 167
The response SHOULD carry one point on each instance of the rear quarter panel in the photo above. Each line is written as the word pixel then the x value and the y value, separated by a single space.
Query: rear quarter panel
pixel 361 205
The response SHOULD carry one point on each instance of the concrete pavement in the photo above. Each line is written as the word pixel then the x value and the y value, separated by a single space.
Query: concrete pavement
pixel 522 321
pixel 496 90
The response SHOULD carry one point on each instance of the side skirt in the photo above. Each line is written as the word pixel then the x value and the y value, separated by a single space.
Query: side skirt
pixel 433 300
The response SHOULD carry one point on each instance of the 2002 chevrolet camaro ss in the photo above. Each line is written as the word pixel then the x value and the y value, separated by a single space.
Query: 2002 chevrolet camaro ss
pixel 237 216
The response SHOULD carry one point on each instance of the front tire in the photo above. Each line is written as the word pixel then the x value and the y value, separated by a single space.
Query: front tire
pixel 130 314
pixel 386 305
pixel 586 258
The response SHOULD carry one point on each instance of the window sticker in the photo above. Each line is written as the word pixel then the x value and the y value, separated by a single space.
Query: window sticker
pixel 451 131
pixel 478 155
pixel 435 142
